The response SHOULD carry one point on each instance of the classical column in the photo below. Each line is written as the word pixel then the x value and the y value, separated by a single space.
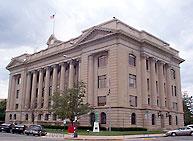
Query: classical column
pixel 79 70
pixel 153 83
pixel 40 87
pixel 47 86
pixel 161 84
pixel 28 87
pixel 91 80
pixel 9 93
pixel 13 82
pixel 71 75
pixel 144 81
pixel 55 76
pixel 168 86
pixel 178 90
pixel 33 92
pixel 62 77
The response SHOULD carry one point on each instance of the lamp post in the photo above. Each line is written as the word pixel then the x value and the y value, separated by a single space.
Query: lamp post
pixel 109 109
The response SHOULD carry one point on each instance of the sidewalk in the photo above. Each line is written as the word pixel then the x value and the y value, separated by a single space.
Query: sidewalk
pixel 110 138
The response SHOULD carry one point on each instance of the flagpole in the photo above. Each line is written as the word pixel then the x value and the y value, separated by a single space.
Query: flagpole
pixel 53 24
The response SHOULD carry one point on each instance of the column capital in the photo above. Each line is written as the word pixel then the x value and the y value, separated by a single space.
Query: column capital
pixel 161 62
pixel 145 55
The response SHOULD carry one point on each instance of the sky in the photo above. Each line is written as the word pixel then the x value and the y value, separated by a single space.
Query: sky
pixel 25 26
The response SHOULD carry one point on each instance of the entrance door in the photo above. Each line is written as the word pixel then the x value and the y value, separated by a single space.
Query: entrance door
pixel 162 121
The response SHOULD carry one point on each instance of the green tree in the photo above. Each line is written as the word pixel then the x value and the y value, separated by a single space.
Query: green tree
pixel 188 117
pixel 2 110
pixel 69 103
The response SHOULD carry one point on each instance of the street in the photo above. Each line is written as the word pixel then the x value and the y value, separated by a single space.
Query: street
pixel 18 137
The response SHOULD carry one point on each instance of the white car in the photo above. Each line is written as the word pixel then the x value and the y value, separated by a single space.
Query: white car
pixel 185 131
pixel 191 125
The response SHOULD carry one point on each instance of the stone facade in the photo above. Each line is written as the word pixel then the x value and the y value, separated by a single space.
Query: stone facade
pixel 132 78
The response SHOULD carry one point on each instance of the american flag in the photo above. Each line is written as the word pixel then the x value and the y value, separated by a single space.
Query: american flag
pixel 52 17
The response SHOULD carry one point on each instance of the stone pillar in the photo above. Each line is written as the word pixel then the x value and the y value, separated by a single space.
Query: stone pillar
pixel 168 86
pixel 28 87
pixel 161 84
pixel 8 105
pixel 40 87
pixel 47 86
pixel 34 86
pixel 71 75
pixel 79 70
pixel 153 83
pixel 91 80
pixel 62 77
pixel 13 92
pixel 178 90
pixel 55 76
pixel 144 81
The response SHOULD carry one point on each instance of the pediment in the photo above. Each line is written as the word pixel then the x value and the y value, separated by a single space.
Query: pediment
pixel 53 41
pixel 94 33
pixel 15 62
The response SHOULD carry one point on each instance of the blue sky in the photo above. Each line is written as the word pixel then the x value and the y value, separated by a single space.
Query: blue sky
pixel 25 26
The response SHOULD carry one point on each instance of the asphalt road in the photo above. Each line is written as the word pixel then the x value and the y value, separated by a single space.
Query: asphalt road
pixel 17 137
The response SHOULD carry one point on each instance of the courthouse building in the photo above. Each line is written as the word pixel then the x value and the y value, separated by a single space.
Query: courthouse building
pixel 132 78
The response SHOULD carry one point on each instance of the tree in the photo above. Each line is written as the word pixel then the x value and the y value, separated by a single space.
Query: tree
pixel 188 116
pixel 69 103
pixel 2 110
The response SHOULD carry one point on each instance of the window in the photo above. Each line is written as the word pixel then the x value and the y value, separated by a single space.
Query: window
pixel 14 116
pixel 170 120
pixel 164 70
pixel 103 118
pixel 39 116
pixel 148 86
pixel 101 100
pixel 132 81
pixel 132 60
pixel 172 90
pixel 102 80
pixel 175 92
pixel 133 101
pixel 36 92
pixel 10 116
pixel 50 90
pixel 157 86
pixel 157 102
pixel 18 79
pixel 26 117
pixel 176 120
pixel 92 119
pixel 148 100
pixel 16 106
pixel 164 87
pixel 147 64
pixel 156 67
pixel 133 118
pixel 175 106
pixel 54 116
pixel 46 116
pixel 173 74
pixel 153 119
pixel 17 94
pixel 102 61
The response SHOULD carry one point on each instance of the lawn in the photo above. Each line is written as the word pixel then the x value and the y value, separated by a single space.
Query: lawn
pixel 105 133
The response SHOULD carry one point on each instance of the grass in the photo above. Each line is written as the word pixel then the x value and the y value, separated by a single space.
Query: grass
pixel 105 133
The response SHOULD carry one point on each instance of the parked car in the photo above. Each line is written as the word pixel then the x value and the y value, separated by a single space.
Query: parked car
pixel 19 129
pixel 5 127
pixel 35 130
pixel 185 131
pixel 191 125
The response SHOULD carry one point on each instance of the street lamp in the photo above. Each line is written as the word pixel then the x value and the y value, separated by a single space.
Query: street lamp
pixel 109 110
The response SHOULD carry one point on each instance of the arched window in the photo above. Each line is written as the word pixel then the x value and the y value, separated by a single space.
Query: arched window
pixel 92 118
pixel 170 120
pixel 133 118
pixel 132 60
pixel 10 116
pixel 103 118
pixel 153 119
pixel 54 116
pixel 14 116
pixel 26 117
pixel 176 120
pixel 173 74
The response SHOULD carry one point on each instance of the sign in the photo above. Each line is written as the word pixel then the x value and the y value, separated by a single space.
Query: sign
pixel 96 127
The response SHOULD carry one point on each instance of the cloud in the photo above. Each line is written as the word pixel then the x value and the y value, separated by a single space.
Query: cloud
pixel 25 25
